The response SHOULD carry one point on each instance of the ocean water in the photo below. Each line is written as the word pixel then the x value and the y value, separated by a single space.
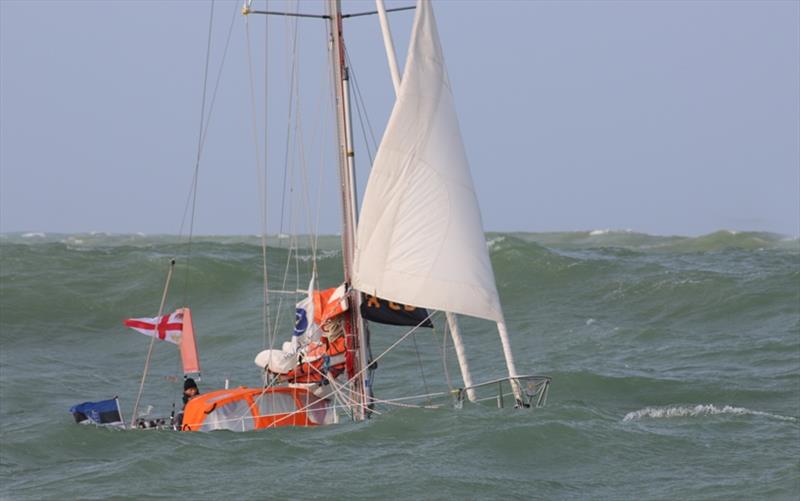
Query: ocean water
pixel 675 365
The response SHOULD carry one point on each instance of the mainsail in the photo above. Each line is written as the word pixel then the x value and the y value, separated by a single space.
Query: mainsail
pixel 420 237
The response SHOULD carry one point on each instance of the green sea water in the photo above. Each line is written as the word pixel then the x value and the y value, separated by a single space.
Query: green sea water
pixel 675 365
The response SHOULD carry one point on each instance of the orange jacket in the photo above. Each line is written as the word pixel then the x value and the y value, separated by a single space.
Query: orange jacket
pixel 314 371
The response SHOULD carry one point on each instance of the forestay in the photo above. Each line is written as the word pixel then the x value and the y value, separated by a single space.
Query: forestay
pixel 420 237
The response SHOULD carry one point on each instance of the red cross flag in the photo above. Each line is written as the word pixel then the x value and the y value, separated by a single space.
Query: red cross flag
pixel 166 328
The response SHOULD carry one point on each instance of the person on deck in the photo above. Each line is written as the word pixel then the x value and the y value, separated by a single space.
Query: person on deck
pixel 190 390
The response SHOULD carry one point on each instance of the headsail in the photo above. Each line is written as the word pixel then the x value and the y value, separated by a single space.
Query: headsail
pixel 420 236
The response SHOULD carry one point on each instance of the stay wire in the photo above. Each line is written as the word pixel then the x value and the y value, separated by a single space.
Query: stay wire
pixel 360 99
pixel 443 351
pixel 204 124
pixel 292 83
pixel 312 226
pixel 259 174
pixel 288 173
pixel 419 362
pixel 192 196
pixel 208 121
pixel 266 314
pixel 199 151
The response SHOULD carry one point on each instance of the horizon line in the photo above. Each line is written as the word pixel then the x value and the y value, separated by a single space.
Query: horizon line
pixel 589 232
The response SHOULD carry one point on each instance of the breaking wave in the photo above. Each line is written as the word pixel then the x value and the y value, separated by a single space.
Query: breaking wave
pixel 698 410
pixel 493 243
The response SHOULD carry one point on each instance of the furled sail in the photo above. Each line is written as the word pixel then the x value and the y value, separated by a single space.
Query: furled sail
pixel 420 237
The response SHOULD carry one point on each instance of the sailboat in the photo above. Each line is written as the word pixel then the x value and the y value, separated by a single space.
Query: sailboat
pixel 417 244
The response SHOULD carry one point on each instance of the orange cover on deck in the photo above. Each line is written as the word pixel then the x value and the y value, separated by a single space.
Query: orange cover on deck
pixel 199 408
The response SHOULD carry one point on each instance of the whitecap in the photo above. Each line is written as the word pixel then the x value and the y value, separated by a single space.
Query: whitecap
pixel 697 410
pixel 494 242
pixel 323 254
pixel 608 231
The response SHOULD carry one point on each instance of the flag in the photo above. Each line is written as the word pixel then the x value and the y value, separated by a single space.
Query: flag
pixel 329 303
pixel 386 312
pixel 189 358
pixel 304 329
pixel 166 328
pixel 102 412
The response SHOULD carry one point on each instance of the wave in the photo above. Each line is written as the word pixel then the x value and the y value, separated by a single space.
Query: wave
pixel 642 242
pixel 674 411
pixel 496 241
pixel 726 239
pixel 608 231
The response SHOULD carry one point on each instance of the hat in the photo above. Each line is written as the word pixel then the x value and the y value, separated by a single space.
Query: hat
pixel 189 383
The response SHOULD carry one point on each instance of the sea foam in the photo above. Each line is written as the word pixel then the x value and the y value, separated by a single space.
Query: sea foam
pixel 697 410
pixel 609 231
pixel 492 243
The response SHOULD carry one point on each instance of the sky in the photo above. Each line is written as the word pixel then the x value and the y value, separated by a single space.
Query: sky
pixel 657 117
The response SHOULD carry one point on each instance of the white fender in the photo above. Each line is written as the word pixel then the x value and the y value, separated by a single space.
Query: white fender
pixel 276 361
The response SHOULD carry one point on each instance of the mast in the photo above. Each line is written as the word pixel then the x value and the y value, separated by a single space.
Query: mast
pixel 358 337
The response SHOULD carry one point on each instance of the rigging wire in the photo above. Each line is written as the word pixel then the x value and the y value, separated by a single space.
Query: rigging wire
pixel 261 180
pixel 312 228
pixel 292 26
pixel 419 362
pixel 358 107
pixel 266 317
pixel 361 105
pixel 204 124
pixel 193 190
pixel 296 179
pixel 303 178
pixel 203 130
pixel 323 132
pixel 291 34
pixel 443 351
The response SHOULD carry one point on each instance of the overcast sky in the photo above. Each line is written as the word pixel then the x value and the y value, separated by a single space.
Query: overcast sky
pixel 659 117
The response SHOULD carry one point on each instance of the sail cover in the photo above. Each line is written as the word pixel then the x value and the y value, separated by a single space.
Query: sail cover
pixel 420 237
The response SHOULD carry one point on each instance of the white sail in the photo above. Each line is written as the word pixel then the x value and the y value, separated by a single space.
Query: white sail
pixel 420 237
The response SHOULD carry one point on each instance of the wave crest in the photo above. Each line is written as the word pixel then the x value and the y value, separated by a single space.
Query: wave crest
pixel 697 410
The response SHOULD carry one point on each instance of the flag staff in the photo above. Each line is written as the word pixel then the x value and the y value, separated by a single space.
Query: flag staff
pixel 150 349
